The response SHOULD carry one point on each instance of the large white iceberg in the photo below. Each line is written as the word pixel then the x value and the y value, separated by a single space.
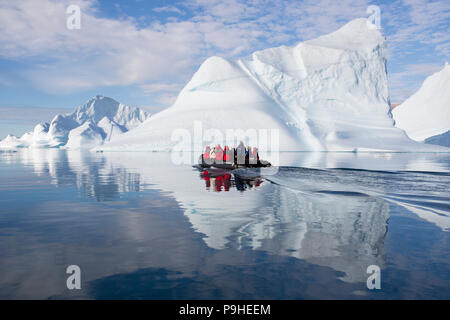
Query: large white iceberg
pixel 425 116
pixel 326 94
pixel 98 120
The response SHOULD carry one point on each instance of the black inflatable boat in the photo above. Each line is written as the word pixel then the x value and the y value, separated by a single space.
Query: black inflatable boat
pixel 229 166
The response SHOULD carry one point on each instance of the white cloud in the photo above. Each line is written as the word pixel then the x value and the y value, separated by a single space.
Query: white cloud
pixel 165 93
pixel 418 22
pixel 117 52
pixel 164 87
pixel 103 52
pixel 30 115
pixel 169 9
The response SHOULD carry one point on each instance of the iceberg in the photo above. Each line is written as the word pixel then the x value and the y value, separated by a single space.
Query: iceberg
pixel 10 142
pixel 98 120
pixel 325 94
pixel 425 116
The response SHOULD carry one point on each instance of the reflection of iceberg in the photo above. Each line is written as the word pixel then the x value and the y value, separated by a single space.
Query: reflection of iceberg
pixel 342 232
pixel 90 173
pixel 426 209
pixel 334 218
pixel 320 221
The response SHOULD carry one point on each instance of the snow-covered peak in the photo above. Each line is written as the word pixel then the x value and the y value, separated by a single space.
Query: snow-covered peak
pixel 100 107
pixel 214 69
pixel 99 119
pixel 95 109
pixel 427 112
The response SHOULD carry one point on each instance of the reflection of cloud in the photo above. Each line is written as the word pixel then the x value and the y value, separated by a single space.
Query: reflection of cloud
pixel 113 240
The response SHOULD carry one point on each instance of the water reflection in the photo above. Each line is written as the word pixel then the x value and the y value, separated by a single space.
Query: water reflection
pixel 331 219
pixel 221 180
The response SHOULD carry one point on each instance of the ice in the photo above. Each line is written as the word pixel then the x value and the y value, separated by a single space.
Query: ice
pixel 11 142
pixel 86 136
pixel 97 121
pixel 326 94
pixel 425 116
pixel 110 128
pixel 440 139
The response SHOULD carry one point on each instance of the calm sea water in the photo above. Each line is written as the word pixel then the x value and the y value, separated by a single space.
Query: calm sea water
pixel 140 227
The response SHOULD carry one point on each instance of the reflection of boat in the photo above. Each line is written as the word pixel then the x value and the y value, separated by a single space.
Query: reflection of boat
pixel 231 166
pixel 217 179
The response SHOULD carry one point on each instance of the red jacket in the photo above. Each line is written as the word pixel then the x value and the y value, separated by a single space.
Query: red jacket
pixel 227 154
pixel 255 154
pixel 206 153
pixel 219 153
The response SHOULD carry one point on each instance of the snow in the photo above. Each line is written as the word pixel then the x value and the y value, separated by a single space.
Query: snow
pixel 326 94
pixel 98 120
pixel 87 135
pixel 110 128
pixel 426 114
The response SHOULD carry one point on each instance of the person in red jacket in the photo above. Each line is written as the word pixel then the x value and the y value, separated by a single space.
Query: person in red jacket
pixel 219 154
pixel 227 155
pixel 225 149
pixel 206 154
pixel 254 156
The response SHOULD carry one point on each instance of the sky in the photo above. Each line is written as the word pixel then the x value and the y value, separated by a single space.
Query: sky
pixel 141 53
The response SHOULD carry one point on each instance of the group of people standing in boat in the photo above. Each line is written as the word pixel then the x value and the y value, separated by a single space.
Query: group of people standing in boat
pixel 241 155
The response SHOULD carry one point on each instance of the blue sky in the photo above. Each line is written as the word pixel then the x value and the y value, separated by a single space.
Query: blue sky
pixel 142 52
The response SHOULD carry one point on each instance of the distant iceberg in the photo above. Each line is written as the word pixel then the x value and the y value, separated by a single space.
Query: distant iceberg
pixel 98 120
pixel 425 116
pixel 326 94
